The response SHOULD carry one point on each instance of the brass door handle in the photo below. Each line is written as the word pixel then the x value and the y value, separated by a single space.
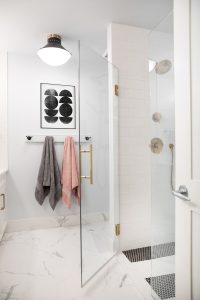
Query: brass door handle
pixel 4 201
pixel 90 177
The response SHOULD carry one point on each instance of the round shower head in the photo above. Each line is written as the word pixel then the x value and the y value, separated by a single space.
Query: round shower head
pixel 163 66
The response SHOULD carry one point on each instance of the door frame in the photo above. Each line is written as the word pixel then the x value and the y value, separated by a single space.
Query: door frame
pixel 3 137
pixel 184 150
pixel 3 104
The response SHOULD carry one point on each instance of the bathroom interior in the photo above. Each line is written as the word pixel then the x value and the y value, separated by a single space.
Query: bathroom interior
pixel 119 242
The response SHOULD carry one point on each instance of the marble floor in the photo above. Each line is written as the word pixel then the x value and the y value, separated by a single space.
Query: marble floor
pixel 45 265
pixel 97 247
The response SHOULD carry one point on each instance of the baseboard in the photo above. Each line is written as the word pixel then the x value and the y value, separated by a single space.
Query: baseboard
pixel 60 221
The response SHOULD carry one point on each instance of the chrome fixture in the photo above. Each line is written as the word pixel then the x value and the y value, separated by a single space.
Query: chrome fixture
pixel 163 67
pixel 54 54
pixel 152 64
pixel 182 193
pixel 156 145
pixel 156 117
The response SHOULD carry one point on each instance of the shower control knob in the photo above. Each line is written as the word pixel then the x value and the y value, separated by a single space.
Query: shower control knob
pixel 182 193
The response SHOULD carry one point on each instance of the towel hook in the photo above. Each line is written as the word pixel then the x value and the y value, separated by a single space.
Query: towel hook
pixel 29 137
pixel 87 138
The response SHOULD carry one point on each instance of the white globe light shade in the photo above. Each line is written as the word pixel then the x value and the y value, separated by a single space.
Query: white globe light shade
pixel 54 56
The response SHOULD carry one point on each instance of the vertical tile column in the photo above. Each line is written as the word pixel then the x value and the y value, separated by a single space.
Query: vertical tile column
pixel 128 51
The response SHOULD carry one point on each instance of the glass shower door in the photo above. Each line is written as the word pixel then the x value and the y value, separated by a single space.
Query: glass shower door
pixel 98 162
pixel 161 78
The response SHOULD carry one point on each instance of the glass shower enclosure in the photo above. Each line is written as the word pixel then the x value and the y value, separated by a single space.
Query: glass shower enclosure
pixel 162 145
pixel 98 121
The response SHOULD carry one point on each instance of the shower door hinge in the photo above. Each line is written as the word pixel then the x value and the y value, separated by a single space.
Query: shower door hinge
pixel 116 90
pixel 117 229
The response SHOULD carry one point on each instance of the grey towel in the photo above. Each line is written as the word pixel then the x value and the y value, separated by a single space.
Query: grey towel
pixel 48 181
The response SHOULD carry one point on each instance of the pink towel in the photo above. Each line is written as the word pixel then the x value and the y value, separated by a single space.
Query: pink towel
pixel 70 177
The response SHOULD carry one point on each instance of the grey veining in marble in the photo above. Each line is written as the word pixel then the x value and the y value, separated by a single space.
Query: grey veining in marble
pixel 8 294
pixel 123 280
pixel 44 264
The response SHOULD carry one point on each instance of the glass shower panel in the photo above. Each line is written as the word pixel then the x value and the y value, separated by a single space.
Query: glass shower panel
pixel 162 159
pixel 98 159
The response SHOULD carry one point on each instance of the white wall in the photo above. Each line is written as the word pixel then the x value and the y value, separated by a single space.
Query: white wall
pixel 3 111
pixel 25 73
pixel 128 51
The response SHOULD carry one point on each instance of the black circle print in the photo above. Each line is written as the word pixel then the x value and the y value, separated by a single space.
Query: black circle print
pixel 65 93
pixel 51 102
pixel 65 100
pixel 65 110
pixel 51 92
pixel 51 112
pixel 66 120
pixel 51 119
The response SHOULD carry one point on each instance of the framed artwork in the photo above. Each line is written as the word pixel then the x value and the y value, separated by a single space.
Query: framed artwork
pixel 57 106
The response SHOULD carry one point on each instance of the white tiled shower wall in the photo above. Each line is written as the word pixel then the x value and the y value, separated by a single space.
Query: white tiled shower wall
pixel 162 101
pixel 128 51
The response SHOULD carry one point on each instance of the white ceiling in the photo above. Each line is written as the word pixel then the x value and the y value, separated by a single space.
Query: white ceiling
pixel 24 24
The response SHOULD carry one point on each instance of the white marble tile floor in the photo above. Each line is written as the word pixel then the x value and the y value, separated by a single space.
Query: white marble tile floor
pixel 45 265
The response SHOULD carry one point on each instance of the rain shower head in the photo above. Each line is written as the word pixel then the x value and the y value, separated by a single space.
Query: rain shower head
pixel 163 67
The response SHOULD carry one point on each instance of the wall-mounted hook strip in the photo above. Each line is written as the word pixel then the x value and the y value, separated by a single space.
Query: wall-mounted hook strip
pixel 57 138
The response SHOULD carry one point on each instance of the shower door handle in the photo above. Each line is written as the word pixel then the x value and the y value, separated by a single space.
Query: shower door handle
pixel 90 151
pixel 182 193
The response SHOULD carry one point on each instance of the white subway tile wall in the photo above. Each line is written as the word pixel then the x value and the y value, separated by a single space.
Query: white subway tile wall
pixel 129 53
